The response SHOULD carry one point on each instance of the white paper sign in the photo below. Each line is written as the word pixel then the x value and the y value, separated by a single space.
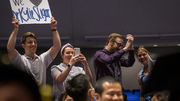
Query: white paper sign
pixel 31 11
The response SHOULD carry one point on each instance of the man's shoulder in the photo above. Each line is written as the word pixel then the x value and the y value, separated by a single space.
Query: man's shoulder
pixel 100 51
pixel 97 53
pixel 44 53
pixel 20 57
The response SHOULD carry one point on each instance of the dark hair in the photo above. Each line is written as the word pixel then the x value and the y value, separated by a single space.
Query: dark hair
pixel 161 95
pixel 99 84
pixel 63 96
pixel 10 74
pixel 78 87
pixel 27 34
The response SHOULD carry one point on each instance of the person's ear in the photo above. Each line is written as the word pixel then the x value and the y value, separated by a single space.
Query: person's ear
pixel 110 41
pixel 96 96
pixel 23 45
pixel 90 93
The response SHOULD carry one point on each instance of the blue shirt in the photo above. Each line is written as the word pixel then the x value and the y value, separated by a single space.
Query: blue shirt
pixel 103 62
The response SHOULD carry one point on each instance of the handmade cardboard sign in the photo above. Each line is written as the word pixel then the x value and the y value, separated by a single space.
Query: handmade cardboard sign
pixel 31 11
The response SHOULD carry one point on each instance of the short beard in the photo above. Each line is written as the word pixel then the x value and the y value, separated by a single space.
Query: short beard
pixel 113 49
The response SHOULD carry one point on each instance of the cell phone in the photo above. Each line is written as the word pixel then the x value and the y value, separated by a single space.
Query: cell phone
pixel 77 51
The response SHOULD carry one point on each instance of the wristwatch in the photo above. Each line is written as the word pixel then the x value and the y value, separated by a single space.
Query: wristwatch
pixel 69 66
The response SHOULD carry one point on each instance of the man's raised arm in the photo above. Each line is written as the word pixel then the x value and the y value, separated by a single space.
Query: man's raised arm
pixel 56 39
pixel 12 52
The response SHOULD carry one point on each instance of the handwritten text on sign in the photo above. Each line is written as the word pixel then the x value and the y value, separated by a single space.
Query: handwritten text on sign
pixel 31 11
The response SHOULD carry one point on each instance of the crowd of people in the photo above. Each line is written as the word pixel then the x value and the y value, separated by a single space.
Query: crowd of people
pixel 21 80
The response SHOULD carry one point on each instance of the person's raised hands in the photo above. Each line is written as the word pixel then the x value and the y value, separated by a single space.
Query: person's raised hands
pixel 130 37
pixel 129 43
pixel 73 60
pixel 82 58
pixel 53 23
pixel 15 22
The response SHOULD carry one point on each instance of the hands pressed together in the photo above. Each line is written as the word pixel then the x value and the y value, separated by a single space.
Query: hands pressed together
pixel 129 37
pixel 129 43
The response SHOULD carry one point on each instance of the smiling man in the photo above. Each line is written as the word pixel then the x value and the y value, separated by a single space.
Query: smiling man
pixel 108 89
pixel 30 62
pixel 108 62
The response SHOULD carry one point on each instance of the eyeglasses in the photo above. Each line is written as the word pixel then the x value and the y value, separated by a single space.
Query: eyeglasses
pixel 118 44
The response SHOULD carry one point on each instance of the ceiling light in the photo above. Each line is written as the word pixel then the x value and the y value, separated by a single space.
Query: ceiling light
pixel 178 44
pixel 155 45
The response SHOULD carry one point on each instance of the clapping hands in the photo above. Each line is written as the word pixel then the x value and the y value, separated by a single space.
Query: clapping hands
pixel 129 43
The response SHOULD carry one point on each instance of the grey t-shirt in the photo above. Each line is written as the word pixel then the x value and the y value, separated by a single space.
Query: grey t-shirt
pixel 35 67
pixel 57 69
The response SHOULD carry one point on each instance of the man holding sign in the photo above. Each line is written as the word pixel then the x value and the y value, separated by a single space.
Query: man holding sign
pixel 30 62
